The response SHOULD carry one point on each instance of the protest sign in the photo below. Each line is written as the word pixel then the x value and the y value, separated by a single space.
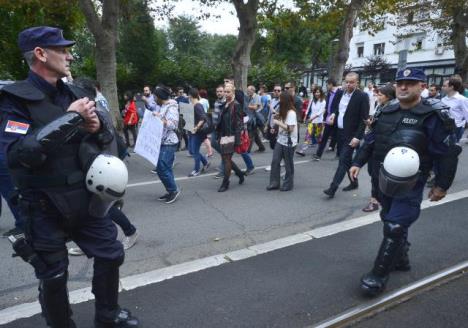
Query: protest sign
pixel 149 137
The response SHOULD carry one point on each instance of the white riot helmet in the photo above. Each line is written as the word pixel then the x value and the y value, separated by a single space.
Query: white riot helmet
pixel 399 171
pixel 107 179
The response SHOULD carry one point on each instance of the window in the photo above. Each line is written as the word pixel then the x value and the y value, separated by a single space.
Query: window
pixel 360 49
pixel 379 49
pixel 419 44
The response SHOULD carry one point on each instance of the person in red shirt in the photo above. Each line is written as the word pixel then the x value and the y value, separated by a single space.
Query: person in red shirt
pixel 130 117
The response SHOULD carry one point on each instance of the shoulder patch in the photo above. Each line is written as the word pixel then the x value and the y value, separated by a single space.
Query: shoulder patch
pixel 23 90
pixel 16 127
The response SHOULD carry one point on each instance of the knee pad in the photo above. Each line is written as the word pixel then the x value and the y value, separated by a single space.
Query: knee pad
pixel 101 264
pixel 394 230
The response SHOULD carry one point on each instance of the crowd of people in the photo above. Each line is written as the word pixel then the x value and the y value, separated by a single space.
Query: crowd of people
pixel 50 127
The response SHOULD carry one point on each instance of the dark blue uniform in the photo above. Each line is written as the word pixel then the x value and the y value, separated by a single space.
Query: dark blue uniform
pixel 428 131
pixel 45 228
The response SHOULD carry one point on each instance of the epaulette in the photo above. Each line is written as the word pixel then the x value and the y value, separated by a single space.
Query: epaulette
pixel 23 90
pixel 435 103
pixel 448 122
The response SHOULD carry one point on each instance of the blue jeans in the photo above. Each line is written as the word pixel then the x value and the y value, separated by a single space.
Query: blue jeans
pixel 195 143
pixel 6 190
pixel 164 167
pixel 248 161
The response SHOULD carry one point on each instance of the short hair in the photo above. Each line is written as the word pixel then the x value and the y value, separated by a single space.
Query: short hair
pixel 456 82
pixel 252 87
pixel 220 86
pixel 203 93
pixel 356 75
pixel 388 90
pixel 263 86
pixel 437 87
pixel 193 92
pixel 87 84
pixel 29 57
pixel 332 81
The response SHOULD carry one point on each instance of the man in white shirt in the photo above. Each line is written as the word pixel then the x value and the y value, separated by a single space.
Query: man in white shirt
pixel 457 103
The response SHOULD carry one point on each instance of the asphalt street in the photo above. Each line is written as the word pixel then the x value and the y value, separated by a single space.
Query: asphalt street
pixel 300 285
pixel 444 306
pixel 204 222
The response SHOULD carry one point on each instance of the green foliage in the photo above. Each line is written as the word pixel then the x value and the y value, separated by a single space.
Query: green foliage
pixel 16 16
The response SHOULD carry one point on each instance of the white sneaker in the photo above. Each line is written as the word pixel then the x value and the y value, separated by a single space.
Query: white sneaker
pixel 129 241
pixel 75 251
pixel 268 168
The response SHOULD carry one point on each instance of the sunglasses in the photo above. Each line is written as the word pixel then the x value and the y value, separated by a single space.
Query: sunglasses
pixel 287 88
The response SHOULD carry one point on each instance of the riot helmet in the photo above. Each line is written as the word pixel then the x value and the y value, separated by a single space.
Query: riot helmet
pixel 107 179
pixel 399 171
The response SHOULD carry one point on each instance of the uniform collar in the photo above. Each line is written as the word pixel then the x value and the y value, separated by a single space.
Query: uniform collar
pixel 45 86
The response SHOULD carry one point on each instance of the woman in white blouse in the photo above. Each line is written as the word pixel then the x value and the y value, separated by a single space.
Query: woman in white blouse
pixel 314 119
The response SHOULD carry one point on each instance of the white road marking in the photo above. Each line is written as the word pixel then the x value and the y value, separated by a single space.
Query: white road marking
pixel 145 183
pixel 134 281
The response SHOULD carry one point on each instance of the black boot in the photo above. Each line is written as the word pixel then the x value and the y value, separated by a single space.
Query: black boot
pixel 224 186
pixel 352 185
pixel 375 281
pixel 239 173
pixel 106 292
pixel 403 263
pixel 53 297
pixel 330 192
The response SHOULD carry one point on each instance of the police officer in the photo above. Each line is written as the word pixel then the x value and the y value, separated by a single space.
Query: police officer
pixel 426 135
pixel 48 131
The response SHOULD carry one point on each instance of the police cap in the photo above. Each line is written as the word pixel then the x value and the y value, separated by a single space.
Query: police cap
pixel 413 74
pixel 42 36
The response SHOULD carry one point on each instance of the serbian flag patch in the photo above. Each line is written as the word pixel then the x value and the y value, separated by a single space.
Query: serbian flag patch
pixel 16 127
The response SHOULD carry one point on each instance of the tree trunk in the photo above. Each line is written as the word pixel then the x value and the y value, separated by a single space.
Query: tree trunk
pixel 346 33
pixel 247 15
pixel 458 37
pixel 104 30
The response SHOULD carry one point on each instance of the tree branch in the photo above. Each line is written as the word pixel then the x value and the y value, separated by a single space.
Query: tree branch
pixel 94 23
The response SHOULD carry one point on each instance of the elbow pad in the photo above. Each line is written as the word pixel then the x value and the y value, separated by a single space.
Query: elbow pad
pixel 59 131
pixel 447 167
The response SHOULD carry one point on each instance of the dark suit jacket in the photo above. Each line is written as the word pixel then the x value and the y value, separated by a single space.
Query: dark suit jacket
pixel 356 112
pixel 334 105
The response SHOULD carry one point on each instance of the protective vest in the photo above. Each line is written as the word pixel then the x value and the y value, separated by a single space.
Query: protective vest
pixel 62 167
pixel 397 127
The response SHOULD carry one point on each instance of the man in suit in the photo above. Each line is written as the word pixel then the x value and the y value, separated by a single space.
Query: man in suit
pixel 349 118
pixel 333 100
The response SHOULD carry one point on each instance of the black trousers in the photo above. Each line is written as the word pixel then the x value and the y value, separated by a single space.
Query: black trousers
pixel 329 131
pixel 346 157
pixel 132 129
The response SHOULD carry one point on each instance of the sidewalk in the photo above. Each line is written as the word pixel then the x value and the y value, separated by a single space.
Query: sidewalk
pixel 293 287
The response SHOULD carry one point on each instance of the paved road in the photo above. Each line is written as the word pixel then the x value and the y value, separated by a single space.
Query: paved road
pixel 203 222
pixel 445 306
pixel 296 286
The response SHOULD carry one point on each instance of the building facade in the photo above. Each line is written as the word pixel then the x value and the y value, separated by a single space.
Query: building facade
pixel 402 41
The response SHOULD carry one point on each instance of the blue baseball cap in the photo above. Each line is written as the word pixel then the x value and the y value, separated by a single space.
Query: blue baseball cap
pixel 413 74
pixel 42 36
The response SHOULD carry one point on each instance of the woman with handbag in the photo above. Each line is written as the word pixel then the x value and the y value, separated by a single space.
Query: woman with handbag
pixel 198 135
pixel 130 118
pixel 229 132
pixel 286 142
